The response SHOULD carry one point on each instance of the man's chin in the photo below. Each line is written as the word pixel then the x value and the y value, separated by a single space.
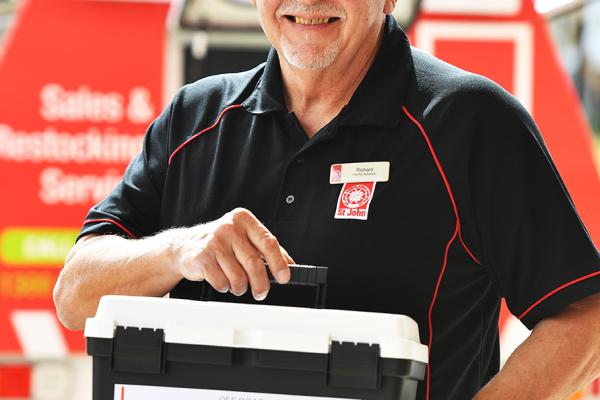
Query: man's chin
pixel 309 60
pixel 314 65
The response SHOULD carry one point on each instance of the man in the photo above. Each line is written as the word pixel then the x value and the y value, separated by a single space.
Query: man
pixel 457 203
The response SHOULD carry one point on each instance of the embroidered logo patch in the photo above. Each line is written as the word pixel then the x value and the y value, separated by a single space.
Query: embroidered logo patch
pixel 354 201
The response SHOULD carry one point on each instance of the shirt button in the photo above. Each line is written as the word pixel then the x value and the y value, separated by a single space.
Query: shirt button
pixel 290 199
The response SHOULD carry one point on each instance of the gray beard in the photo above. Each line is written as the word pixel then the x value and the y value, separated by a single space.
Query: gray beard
pixel 300 60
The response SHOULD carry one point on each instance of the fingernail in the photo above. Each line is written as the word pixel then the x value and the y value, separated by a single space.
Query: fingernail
pixel 240 293
pixel 224 289
pixel 261 296
pixel 283 276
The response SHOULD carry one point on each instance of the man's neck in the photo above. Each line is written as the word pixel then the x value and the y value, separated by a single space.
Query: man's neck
pixel 317 96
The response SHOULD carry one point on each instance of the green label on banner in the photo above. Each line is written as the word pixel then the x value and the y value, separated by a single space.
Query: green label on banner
pixel 35 247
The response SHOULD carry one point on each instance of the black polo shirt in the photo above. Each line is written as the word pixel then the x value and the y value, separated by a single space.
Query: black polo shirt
pixel 474 209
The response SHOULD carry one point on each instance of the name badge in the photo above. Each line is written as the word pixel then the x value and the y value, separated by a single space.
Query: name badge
pixel 378 171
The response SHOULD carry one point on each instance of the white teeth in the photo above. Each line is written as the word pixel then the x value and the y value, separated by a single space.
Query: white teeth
pixel 306 21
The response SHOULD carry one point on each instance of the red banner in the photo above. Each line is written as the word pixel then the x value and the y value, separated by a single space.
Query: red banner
pixel 80 82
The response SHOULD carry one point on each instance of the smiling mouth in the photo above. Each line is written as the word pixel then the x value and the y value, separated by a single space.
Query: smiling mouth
pixel 311 21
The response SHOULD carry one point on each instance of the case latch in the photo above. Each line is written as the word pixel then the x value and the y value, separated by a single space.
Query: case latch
pixel 354 365
pixel 138 350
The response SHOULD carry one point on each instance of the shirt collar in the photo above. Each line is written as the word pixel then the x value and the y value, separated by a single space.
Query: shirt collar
pixel 378 99
pixel 268 94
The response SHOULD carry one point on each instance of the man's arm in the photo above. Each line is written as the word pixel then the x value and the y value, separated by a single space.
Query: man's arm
pixel 561 356
pixel 229 253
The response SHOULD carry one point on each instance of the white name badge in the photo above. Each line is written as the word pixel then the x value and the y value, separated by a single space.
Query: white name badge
pixel 378 171
pixel 136 392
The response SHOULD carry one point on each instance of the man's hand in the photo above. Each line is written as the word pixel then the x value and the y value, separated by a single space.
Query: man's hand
pixel 230 253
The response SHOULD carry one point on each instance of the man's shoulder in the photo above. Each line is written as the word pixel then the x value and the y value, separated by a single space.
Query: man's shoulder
pixel 218 91
pixel 444 92
pixel 438 81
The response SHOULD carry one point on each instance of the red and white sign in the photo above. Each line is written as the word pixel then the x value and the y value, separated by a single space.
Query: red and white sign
pixel 80 83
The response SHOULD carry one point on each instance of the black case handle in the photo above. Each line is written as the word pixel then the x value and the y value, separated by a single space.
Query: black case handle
pixel 301 275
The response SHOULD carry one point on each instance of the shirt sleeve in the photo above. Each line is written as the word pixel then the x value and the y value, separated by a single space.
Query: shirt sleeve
pixel 132 209
pixel 533 243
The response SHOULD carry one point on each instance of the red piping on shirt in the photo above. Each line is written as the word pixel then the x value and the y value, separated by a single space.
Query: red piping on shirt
pixel 457 232
pixel 430 313
pixel 181 146
pixel 110 221
pixel 446 183
pixel 558 289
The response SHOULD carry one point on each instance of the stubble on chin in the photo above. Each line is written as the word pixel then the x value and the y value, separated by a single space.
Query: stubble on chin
pixel 311 59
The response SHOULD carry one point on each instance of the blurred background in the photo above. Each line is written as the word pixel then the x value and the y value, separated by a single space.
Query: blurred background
pixel 575 28
pixel 81 80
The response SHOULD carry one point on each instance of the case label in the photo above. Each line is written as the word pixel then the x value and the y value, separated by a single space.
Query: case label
pixel 137 392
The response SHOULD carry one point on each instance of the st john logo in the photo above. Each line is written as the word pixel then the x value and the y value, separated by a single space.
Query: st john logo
pixel 354 200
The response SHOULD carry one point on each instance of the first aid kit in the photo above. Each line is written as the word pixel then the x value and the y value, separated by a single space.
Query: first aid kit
pixel 161 348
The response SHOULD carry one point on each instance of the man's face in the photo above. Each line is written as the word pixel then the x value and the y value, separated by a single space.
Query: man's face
pixel 313 34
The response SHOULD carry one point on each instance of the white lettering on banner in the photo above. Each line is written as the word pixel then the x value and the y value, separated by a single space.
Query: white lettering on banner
pixel 94 146
pixel 40 246
pixel 59 104
pixel 84 104
pixel 58 187
pixel 140 109
pixel 136 392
